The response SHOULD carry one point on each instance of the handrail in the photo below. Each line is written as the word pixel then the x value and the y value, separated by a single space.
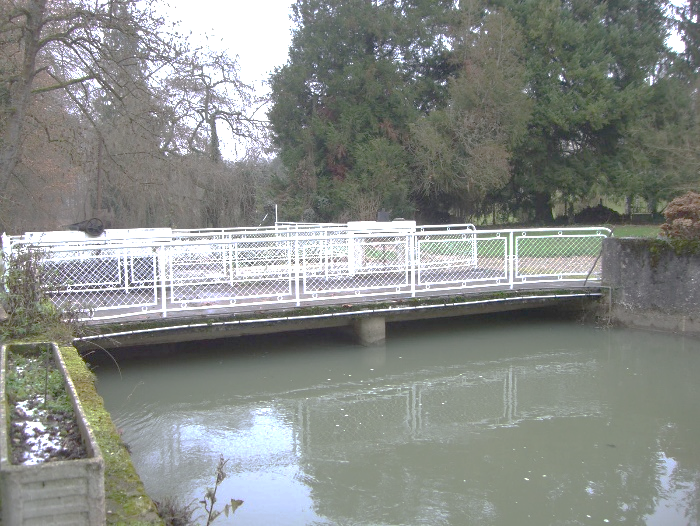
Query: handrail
pixel 266 267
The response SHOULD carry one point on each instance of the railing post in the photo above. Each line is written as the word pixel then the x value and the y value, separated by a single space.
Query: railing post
pixel 162 254
pixel 412 248
pixel 351 253
pixel 326 251
pixel 125 262
pixel 511 259
pixel 297 269
pixel 475 251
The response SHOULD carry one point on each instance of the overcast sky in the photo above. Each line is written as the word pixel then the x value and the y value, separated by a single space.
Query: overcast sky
pixel 258 31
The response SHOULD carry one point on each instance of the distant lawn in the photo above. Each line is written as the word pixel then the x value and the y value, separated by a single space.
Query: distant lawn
pixel 635 230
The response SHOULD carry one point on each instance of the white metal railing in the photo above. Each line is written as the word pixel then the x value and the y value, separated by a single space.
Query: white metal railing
pixel 287 265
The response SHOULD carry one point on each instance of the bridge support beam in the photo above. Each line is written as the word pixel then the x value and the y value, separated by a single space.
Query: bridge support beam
pixel 370 330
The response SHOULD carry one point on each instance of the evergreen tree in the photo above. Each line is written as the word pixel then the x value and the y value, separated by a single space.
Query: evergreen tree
pixel 590 66
pixel 359 72
pixel 462 151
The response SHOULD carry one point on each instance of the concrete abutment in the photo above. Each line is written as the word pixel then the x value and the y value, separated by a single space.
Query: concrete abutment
pixel 654 284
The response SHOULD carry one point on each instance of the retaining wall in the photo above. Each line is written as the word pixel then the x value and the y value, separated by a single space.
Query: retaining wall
pixel 654 284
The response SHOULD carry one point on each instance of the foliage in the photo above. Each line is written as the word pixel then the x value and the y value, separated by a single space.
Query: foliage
pixel 533 102
pixel 598 215
pixel 589 65
pixel 174 513
pixel 359 73
pixel 210 497
pixel 660 152
pixel 120 116
pixel 38 375
pixel 24 292
pixel 429 109
pixel 463 151
pixel 683 218
pixel 689 30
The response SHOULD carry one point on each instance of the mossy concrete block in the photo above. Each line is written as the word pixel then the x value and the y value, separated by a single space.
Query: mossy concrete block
pixel 653 274
pixel 51 493
pixel 655 284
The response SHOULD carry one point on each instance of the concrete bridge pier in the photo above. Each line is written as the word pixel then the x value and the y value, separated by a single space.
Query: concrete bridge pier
pixel 370 330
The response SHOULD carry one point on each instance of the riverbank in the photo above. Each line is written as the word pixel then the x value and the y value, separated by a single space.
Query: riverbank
pixel 127 503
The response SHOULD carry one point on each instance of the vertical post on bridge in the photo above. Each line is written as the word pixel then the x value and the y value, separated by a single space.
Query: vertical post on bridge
pixel 511 259
pixel 161 254
pixel 412 247
pixel 297 269
pixel 125 263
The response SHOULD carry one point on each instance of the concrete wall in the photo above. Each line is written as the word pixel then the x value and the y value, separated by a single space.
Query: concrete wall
pixel 66 492
pixel 654 284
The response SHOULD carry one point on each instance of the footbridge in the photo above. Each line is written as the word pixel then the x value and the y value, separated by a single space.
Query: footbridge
pixel 158 285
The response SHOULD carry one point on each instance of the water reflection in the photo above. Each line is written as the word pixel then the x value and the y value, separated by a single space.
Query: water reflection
pixel 459 422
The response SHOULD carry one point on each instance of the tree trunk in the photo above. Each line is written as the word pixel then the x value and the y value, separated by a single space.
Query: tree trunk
pixel 628 206
pixel 543 208
pixel 21 91
pixel 214 147
pixel 651 205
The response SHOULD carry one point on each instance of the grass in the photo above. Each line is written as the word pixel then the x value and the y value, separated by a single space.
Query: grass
pixel 649 231
pixel 535 245
pixel 34 372
pixel 549 246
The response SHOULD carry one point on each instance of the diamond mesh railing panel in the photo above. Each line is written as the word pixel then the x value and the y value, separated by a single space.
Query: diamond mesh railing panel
pixel 360 264
pixel 104 278
pixel 558 256
pixel 270 258
pixel 142 266
pixel 240 270
pixel 325 257
pixel 462 260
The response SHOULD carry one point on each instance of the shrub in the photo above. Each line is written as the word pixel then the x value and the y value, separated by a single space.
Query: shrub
pixel 24 291
pixel 174 513
pixel 597 215
pixel 683 218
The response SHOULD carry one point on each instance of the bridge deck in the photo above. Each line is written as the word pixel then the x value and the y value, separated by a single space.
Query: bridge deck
pixel 234 321
pixel 212 307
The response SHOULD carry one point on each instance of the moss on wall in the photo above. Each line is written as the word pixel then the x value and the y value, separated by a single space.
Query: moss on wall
pixel 126 500
pixel 658 248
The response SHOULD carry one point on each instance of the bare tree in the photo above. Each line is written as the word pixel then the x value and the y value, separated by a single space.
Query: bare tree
pixel 203 92
pixel 139 111
pixel 69 45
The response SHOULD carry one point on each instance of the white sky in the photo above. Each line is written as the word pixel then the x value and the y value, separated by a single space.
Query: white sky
pixel 258 32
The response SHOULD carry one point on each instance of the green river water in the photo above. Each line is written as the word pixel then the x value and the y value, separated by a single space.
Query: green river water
pixel 510 420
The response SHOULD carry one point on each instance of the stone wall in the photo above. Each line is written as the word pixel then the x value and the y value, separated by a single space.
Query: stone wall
pixel 654 284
